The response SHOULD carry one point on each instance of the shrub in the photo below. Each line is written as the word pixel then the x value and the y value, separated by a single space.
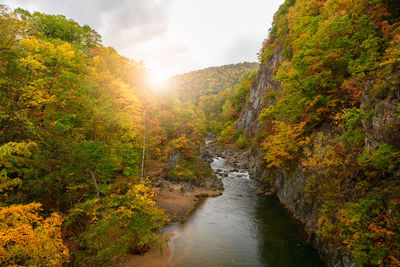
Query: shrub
pixel 118 224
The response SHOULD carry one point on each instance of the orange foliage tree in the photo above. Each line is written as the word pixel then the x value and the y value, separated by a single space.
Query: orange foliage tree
pixel 27 239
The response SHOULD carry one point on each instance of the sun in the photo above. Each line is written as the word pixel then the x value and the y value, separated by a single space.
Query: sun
pixel 157 80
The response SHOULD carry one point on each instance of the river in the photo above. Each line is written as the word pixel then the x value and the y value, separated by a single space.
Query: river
pixel 240 228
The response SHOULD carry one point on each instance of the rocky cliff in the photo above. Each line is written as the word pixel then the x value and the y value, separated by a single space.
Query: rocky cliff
pixel 323 118
pixel 262 83
pixel 289 186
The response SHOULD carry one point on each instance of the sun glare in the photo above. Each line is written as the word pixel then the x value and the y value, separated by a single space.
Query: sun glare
pixel 157 80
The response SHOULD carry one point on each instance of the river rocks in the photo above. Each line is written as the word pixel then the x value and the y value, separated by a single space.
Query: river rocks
pixel 237 158
pixel 259 191
pixel 221 173
pixel 187 188
pixel 271 192
pixel 206 155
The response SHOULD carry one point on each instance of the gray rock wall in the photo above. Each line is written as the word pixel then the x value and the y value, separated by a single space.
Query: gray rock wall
pixel 262 83
pixel 289 186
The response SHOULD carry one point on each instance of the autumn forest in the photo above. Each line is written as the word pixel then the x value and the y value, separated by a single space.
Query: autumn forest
pixel 88 146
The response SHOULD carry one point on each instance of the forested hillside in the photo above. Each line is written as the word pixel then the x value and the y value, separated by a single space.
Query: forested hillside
pixel 70 143
pixel 83 141
pixel 189 87
pixel 219 92
pixel 323 120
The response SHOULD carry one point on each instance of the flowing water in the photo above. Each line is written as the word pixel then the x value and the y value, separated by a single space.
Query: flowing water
pixel 240 228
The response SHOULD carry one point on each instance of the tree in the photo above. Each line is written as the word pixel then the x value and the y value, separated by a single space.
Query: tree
pixel 28 239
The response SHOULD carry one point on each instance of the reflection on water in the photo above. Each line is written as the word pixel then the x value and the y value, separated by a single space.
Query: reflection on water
pixel 239 228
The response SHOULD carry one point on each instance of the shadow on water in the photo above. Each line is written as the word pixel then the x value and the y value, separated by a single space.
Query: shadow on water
pixel 282 241
pixel 239 228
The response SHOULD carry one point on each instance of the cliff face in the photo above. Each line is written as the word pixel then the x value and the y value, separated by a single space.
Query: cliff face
pixel 382 126
pixel 290 186
pixel 262 83
pixel 326 137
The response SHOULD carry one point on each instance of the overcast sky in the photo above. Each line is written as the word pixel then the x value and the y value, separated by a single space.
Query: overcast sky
pixel 171 36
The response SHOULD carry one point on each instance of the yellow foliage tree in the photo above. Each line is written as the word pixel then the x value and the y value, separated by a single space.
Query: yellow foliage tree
pixel 27 239
pixel 285 145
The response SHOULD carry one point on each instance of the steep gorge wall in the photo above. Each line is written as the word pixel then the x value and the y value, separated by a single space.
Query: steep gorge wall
pixel 263 82
pixel 328 141
pixel 383 126
pixel 290 186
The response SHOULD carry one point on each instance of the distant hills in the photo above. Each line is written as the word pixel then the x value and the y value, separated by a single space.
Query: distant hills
pixel 210 81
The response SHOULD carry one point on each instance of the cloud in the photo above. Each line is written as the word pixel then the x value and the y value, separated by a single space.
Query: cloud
pixel 135 21
pixel 171 36
pixel 120 22
pixel 136 28
pixel 242 48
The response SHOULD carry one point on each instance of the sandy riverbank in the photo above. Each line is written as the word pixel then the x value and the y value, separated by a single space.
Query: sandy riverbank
pixel 178 205
pixel 153 258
